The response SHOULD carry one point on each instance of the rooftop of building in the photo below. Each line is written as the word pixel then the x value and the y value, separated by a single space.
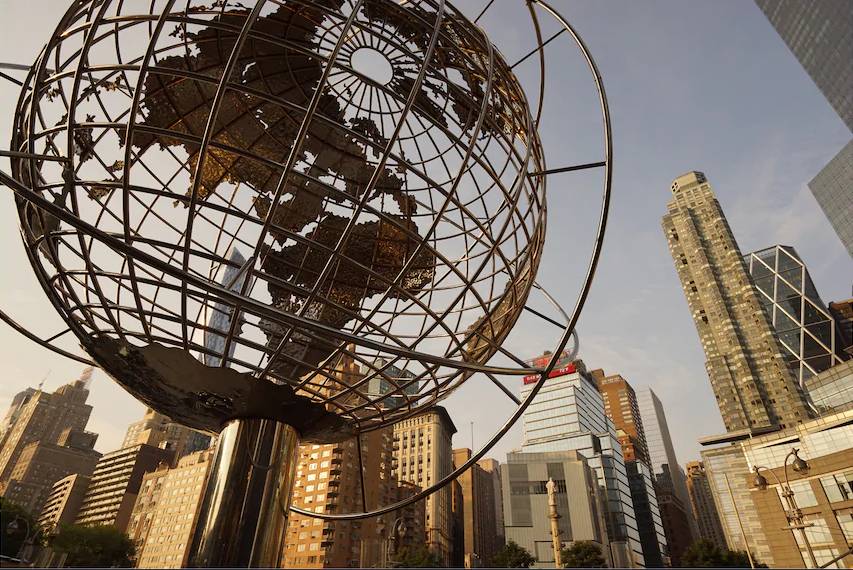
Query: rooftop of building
pixel 688 178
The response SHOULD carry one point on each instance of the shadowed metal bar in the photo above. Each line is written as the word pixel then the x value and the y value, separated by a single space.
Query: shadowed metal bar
pixel 534 50
pixel 569 168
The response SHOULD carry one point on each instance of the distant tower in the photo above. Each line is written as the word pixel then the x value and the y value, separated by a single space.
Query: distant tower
pixel 744 359
pixel 220 316
pixel 702 501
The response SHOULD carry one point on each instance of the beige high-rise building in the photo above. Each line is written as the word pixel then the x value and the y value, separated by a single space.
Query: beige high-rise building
pixel 328 481
pixel 744 359
pixel 166 510
pixel 39 466
pixel 423 455
pixel 44 417
pixel 155 428
pixel 474 512
pixel 115 484
pixel 63 502
pixel 493 468
pixel 702 502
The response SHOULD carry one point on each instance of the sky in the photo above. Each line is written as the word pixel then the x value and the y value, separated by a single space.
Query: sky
pixel 692 85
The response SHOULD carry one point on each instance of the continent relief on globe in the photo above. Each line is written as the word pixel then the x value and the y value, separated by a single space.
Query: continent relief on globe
pixel 376 251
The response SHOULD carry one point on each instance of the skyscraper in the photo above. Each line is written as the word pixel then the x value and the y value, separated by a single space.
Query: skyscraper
pixel 679 523
pixel 45 417
pixel 493 468
pixel 702 501
pixel 18 402
pixel 818 34
pixel 842 312
pixel 168 521
pixel 115 484
pixel 476 514
pixel 154 429
pixel 328 481
pixel 744 359
pixel 620 405
pixel 806 329
pixel 63 501
pixel 832 187
pixel 220 317
pixel 568 415
pixel 423 455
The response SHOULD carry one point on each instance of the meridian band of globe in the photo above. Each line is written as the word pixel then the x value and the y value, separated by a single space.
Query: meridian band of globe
pixel 39 200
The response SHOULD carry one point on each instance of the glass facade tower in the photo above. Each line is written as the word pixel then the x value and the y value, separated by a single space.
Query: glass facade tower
pixel 568 415
pixel 806 329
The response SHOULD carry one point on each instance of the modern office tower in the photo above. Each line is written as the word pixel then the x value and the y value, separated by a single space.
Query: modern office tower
pixel 155 429
pixel 755 518
pixel 493 468
pixel 702 502
pixel 647 511
pixel 63 501
pixel 423 455
pixel 476 514
pixel 818 34
pixel 220 317
pixel 679 524
pixel 40 465
pixel 842 312
pixel 168 515
pixel 568 415
pixel 115 484
pixel 831 391
pixel 18 402
pixel 580 503
pixel 744 359
pixel 45 417
pixel 806 329
pixel 379 385
pixel 832 187
pixel 620 404
pixel 328 481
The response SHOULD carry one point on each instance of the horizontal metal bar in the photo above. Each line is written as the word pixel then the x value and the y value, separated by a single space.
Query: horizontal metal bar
pixel 569 168
pixel 17 154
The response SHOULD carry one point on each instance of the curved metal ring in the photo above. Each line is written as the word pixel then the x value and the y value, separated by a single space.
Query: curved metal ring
pixel 570 328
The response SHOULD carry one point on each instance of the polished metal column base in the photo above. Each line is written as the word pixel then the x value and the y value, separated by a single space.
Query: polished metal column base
pixel 243 516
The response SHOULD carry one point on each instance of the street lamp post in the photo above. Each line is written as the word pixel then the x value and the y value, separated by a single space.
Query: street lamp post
pixel 390 544
pixel 792 512
pixel 13 527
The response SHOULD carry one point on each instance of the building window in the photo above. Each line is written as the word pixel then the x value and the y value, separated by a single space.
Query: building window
pixel 838 487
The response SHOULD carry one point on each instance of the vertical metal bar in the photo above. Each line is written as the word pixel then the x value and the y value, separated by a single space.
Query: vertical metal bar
pixel 243 516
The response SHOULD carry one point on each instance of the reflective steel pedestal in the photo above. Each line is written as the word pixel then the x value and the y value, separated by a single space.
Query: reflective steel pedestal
pixel 243 517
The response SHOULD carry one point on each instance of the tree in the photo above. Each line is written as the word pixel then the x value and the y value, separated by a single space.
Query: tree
pixel 94 546
pixel 706 554
pixel 421 557
pixel 16 525
pixel 512 556
pixel 583 554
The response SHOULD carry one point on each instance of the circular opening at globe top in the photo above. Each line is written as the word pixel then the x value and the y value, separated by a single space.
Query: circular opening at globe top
pixel 372 63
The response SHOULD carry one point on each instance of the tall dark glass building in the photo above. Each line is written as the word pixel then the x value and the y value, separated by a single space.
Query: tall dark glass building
pixel 820 35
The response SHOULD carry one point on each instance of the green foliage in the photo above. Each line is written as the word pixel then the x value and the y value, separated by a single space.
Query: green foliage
pixel 706 554
pixel 512 556
pixel 12 541
pixel 583 554
pixel 94 546
pixel 420 557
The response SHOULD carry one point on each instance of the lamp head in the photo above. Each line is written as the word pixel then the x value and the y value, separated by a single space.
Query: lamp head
pixel 760 481
pixel 800 465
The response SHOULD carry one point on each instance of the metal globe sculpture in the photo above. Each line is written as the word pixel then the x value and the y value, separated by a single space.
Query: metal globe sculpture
pixel 288 192
pixel 324 214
